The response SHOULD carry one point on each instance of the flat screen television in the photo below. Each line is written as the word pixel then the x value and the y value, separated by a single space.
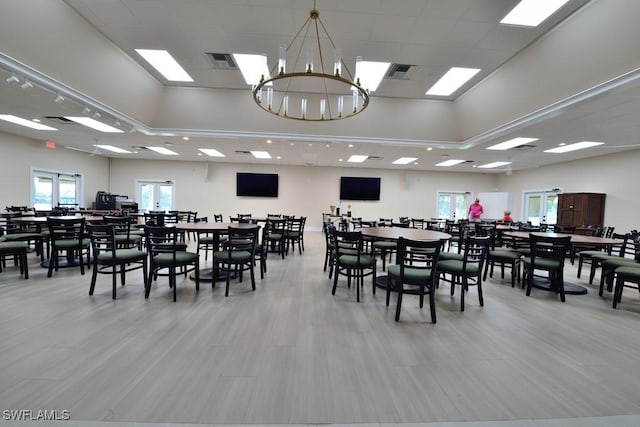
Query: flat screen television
pixel 256 184
pixel 359 188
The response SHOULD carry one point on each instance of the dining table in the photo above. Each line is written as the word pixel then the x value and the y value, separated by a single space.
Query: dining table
pixel 216 229
pixel 576 240
pixel 394 233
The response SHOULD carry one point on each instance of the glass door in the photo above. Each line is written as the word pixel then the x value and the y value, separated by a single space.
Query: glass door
pixel 453 205
pixel 541 207
pixel 155 195
pixel 53 189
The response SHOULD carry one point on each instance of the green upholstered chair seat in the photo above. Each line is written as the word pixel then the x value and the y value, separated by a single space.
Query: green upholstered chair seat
pixel 352 260
pixel 166 259
pixel 179 246
pixel 444 256
pixel 455 266
pixel 630 272
pixel 500 254
pixel 619 262
pixel 132 238
pixel 122 256
pixel 411 275
pixel 206 239
pixel 23 236
pixel 12 246
pixel 274 236
pixel 384 244
pixel 236 256
pixel 71 243
pixel 3 238
pixel 594 253
pixel 543 263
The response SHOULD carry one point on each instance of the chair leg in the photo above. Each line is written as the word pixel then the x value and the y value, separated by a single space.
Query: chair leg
pixel 480 297
pixel 432 304
pixel 398 305
pixel 114 273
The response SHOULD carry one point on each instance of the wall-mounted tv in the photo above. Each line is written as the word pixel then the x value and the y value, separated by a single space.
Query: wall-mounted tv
pixel 359 188
pixel 257 184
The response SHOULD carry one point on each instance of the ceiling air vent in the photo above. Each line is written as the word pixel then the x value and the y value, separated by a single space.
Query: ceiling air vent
pixel 243 152
pixel 400 71
pixel 374 158
pixel 221 61
pixel 524 147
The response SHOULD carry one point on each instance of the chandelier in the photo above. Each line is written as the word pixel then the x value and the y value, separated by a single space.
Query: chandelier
pixel 305 86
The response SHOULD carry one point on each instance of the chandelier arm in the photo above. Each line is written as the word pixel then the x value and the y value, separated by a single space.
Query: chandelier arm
pixel 319 47
pixel 344 65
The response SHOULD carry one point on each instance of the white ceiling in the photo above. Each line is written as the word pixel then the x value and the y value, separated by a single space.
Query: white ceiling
pixel 431 35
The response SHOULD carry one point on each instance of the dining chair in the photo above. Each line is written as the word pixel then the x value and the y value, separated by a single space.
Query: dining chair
pixel 630 257
pixel 352 261
pixel 548 254
pixel 294 233
pixel 414 273
pixel 67 239
pixel 167 251
pixel 277 236
pixel 16 250
pixel 626 277
pixel 123 230
pixel 238 255
pixel 505 257
pixel 111 257
pixel 467 271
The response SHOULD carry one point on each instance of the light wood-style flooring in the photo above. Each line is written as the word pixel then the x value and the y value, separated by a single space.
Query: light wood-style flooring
pixel 291 353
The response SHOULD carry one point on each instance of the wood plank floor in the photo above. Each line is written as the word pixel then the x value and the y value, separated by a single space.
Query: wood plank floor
pixel 291 353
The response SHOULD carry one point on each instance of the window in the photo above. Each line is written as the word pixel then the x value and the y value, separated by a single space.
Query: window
pixel 453 205
pixel 541 206
pixel 155 195
pixel 51 189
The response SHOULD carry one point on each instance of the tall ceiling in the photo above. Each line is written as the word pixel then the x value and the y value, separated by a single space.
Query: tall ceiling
pixel 551 82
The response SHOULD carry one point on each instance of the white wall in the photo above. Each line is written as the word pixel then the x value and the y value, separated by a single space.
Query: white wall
pixel 19 155
pixel 310 191
pixel 307 191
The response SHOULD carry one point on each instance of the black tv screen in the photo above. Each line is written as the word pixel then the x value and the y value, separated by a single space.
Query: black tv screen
pixel 257 184
pixel 359 188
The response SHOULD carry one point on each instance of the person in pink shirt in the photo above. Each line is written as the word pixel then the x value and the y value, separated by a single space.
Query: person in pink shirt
pixel 475 210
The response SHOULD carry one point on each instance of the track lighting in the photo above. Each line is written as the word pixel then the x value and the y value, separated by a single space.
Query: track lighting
pixel 27 85
pixel 13 79
pixel 59 99
pixel 86 111
pixel 96 115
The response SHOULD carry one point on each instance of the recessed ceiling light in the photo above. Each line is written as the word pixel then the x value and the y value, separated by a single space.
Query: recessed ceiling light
pixel 452 80
pixel 357 158
pixel 339 160
pixel 35 120
pixel 212 152
pixel 24 122
pixel 350 145
pixel 279 157
pixel 450 162
pixel 112 148
pixel 531 13
pixel 185 138
pixel 573 147
pixel 494 165
pixel 94 124
pixel 429 148
pixel 269 141
pixel 261 154
pixel 404 160
pixel 515 142
pixel 166 65
pixel 163 150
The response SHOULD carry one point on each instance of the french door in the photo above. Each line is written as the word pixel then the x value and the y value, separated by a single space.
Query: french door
pixel 52 189
pixel 541 206
pixel 453 205
pixel 155 195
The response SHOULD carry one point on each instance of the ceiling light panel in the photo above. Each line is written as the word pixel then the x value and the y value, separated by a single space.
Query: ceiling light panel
pixel 94 124
pixel 494 165
pixel 252 67
pixel 452 80
pixel 573 147
pixel 515 142
pixel 404 160
pixel 357 158
pixel 165 64
pixel 450 162
pixel 531 13
pixel 113 149
pixel 211 152
pixel 24 122
pixel 261 154
pixel 371 73
pixel 163 151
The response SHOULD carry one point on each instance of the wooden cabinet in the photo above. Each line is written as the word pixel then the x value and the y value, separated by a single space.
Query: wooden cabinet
pixel 577 209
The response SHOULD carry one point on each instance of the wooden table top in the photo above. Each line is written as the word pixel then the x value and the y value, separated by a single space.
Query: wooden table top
pixel 576 239
pixel 394 233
